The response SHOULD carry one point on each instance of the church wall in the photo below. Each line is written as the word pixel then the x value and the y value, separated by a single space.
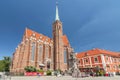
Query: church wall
pixel 23 54
pixel 28 53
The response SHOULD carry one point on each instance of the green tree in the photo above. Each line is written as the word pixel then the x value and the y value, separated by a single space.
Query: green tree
pixel 5 64
pixel 7 61
pixel 2 66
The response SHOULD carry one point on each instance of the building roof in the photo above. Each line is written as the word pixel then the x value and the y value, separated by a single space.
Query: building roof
pixel 29 33
pixel 57 14
pixel 65 40
pixel 96 52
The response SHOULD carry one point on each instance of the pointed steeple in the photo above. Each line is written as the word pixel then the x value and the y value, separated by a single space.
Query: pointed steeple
pixel 57 14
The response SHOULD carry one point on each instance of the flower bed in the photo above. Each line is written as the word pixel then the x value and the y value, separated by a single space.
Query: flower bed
pixel 33 73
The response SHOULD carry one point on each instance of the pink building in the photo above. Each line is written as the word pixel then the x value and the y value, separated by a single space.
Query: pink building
pixel 106 60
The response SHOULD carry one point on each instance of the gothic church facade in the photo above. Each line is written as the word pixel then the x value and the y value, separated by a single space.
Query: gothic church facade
pixel 41 51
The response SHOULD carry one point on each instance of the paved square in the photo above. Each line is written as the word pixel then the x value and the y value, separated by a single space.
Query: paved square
pixel 60 78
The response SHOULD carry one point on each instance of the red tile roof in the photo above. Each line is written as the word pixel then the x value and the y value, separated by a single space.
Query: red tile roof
pixel 30 32
pixel 96 52
pixel 65 40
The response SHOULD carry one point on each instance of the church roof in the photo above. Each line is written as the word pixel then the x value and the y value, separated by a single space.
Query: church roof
pixel 29 33
pixel 57 14
pixel 96 52
pixel 65 40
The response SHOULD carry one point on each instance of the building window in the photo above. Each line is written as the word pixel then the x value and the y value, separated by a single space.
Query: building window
pixel 51 51
pixel 86 60
pixel 107 58
pixel 40 51
pixel 96 59
pixel 65 56
pixel 33 51
pixel 48 65
pixel 119 60
pixel 114 59
pixel 113 67
pixel 108 66
pixel 47 51
pixel 79 61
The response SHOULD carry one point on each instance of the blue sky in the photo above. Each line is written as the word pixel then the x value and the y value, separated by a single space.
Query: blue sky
pixel 87 23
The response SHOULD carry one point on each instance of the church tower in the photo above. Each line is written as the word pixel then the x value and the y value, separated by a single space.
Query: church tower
pixel 58 42
pixel 43 52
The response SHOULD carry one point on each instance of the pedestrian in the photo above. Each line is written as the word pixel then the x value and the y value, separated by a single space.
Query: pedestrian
pixel 38 74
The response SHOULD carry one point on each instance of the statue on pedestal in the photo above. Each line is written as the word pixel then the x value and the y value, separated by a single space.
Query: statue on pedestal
pixel 75 72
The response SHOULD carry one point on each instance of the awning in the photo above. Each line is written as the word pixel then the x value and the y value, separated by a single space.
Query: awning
pixel 42 65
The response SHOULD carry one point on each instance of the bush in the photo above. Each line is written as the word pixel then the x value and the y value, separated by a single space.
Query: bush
pixel 40 70
pixel 30 69
pixel 48 72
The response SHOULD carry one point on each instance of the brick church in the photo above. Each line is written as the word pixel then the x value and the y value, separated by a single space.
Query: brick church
pixel 41 51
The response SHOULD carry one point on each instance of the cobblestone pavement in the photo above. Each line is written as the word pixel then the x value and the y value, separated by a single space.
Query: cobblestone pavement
pixel 60 78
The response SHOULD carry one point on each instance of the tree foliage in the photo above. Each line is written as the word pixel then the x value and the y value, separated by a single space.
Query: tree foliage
pixel 5 64
pixel 2 66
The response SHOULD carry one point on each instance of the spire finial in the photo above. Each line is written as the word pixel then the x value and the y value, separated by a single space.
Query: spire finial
pixel 57 14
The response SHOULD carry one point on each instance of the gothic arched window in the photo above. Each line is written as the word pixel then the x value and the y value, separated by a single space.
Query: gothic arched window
pixel 40 51
pixel 33 51
pixel 47 51
pixel 65 56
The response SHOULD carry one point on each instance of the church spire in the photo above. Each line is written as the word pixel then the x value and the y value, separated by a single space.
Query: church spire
pixel 57 14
